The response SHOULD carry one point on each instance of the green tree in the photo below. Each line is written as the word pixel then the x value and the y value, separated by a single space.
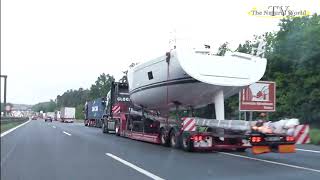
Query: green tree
pixel 72 98
pixel 223 49
pixel 45 106
pixel 245 48
pixel 79 111
pixel 101 87
pixel 293 55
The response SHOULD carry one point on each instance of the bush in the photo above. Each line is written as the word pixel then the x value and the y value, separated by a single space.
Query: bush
pixel 79 112
pixel 315 136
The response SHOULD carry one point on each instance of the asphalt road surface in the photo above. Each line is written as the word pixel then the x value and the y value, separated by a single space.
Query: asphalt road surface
pixel 40 150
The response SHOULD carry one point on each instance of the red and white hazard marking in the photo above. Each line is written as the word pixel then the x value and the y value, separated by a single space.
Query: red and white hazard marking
pixel 189 124
pixel 116 109
pixel 301 134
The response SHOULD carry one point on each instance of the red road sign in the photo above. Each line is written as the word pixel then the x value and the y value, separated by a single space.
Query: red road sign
pixel 8 108
pixel 260 96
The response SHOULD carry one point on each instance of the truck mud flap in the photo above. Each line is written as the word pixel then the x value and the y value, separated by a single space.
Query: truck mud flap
pixel 287 148
pixel 260 149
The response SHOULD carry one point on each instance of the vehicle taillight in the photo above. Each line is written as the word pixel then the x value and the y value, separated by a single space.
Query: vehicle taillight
pixel 256 139
pixel 259 139
pixel 197 138
pixel 289 138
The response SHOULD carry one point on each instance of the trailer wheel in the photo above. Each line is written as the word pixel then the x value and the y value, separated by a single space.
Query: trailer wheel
pixel 174 140
pixel 96 123
pixel 117 129
pixel 163 138
pixel 187 144
pixel 104 128
pixel 99 123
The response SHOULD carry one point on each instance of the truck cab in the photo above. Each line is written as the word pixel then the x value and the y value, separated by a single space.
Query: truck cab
pixel 125 119
pixel 117 105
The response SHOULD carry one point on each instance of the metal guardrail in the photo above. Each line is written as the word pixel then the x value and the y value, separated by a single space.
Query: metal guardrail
pixel 5 120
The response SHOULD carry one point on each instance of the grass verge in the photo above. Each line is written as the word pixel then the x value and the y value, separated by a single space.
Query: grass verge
pixel 7 126
pixel 315 136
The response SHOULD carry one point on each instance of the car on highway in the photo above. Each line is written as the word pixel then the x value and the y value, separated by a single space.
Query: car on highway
pixel 34 118
pixel 48 119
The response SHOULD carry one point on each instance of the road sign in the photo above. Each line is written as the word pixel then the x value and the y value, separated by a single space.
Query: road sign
pixel 8 108
pixel 260 96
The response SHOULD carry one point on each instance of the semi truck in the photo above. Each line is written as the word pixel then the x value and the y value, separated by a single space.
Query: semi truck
pixel 50 114
pixel 57 115
pixel 67 114
pixel 184 130
pixel 94 112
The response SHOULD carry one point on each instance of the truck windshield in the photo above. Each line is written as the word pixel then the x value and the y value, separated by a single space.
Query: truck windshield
pixel 123 93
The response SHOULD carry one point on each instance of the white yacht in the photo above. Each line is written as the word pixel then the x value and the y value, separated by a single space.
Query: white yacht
pixel 192 77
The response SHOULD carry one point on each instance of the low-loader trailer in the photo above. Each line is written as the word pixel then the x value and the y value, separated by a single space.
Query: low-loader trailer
pixel 185 131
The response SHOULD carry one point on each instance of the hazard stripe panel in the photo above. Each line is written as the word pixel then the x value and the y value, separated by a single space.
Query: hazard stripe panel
pixel 116 109
pixel 189 124
pixel 301 134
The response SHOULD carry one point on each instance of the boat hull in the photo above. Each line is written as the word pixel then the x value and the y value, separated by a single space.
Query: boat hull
pixel 191 80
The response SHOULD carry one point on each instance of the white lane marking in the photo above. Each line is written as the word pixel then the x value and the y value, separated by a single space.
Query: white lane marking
pixel 3 160
pixel 272 162
pixel 149 174
pixel 307 150
pixel 66 133
pixel 12 129
pixel 53 126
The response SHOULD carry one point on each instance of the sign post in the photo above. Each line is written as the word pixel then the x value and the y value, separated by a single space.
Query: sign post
pixel 5 93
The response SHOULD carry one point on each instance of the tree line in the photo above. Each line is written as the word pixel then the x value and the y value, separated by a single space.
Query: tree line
pixel 78 98
pixel 293 55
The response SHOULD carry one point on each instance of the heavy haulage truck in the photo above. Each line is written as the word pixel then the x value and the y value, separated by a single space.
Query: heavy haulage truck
pixel 140 106
pixel 186 132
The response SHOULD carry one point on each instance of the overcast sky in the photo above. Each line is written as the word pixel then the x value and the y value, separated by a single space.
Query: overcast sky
pixel 48 47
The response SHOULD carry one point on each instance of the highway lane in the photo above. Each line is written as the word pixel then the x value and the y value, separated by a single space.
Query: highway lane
pixel 205 163
pixel 39 150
